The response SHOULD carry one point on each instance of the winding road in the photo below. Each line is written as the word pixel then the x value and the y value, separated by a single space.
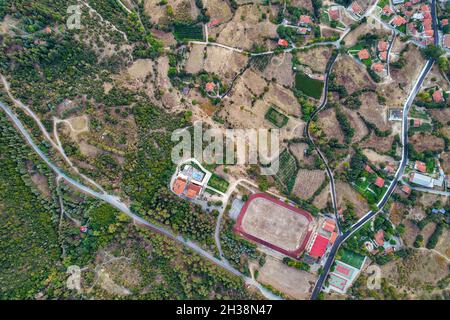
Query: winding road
pixel 118 204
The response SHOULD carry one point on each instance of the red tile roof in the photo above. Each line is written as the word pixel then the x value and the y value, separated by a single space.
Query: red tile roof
pixel 427 15
pixel 444 22
pixel 47 30
pixel 427 24
pixel 378 67
pixel 193 190
pixel 425 8
pixel 387 10
pixel 329 225
pixel 419 165
pixel 417 123
pixel 179 185
pixel 368 169
pixel 379 237
pixel 363 54
pixel 406 189
pixel 210 86
pixel 383 55
pixel 283 42
pixel 398 21
pixel 437 96
pixel 334 14
pixel 302 30
pixel 319 246
pixel 305 19
pixel 382 45
pixel 356 8
pixel 213 23
pixel 379 182
pixel 333 237
pixel 408 4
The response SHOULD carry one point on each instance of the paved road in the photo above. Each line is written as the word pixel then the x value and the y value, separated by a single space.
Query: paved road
pixel 308 134
pixel 426 69
pixel 390 190
pixel 117 203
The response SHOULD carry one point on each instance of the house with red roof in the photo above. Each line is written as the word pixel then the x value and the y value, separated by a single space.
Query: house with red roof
pixel 444 22
pixel 213 23
pixel 425 8
pixel 304 20
pixel 356 8
pixel 334 14
pixel 210 86
pixel 333 237
pixel 382 45
pixel 383 56
pixel 420 166
pixel 302 30
pixel 47 30
pixel 379 182
pixel 318 247
pixel 193 190
pixel 363 54
pixel 283 43
pixel 437 96
pixel 387 11
pixel 398 21
pixel 378 67
pixel 406 189
pixel 379 237
pixel 369 169
pixel 329 225
pixel 179 186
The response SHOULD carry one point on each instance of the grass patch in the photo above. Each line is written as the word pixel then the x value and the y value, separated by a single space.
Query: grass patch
pixel 276 117
pixel 310 87
pixel 351 258
pixel 218 183
pixel 382 3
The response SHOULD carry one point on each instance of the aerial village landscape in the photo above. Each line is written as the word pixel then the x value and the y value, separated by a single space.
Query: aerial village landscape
pixel 358 92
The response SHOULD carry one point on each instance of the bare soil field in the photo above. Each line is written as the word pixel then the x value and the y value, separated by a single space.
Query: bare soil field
pixel 298 150
pixel 351 38
pixel 218 9
pixel 346 193
pixel 253 81
pixel 277 225
pixel 404 78
pixel 184 10
pixel 307 182
pixel 378 159
pixel 194 64
pixel 441 115
pixel 245 29
pixel 426 141
pixel 373 112
pixel 320 201
pixel 329 124
pixel 445 156
pixel 224 63
pixel 351 74
pixel 435 78
pixel 357 123
pixel 283 98
pixel 428 199
pixel 316 58
pixel 427 231
pixel 414 273
pixel 306 4
pixel 379 144
pixel 411 232
pixel 296 284
pixel 280 69
pixel 443 245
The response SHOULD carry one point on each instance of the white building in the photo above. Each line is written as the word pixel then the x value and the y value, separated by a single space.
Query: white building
pixel 421 180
